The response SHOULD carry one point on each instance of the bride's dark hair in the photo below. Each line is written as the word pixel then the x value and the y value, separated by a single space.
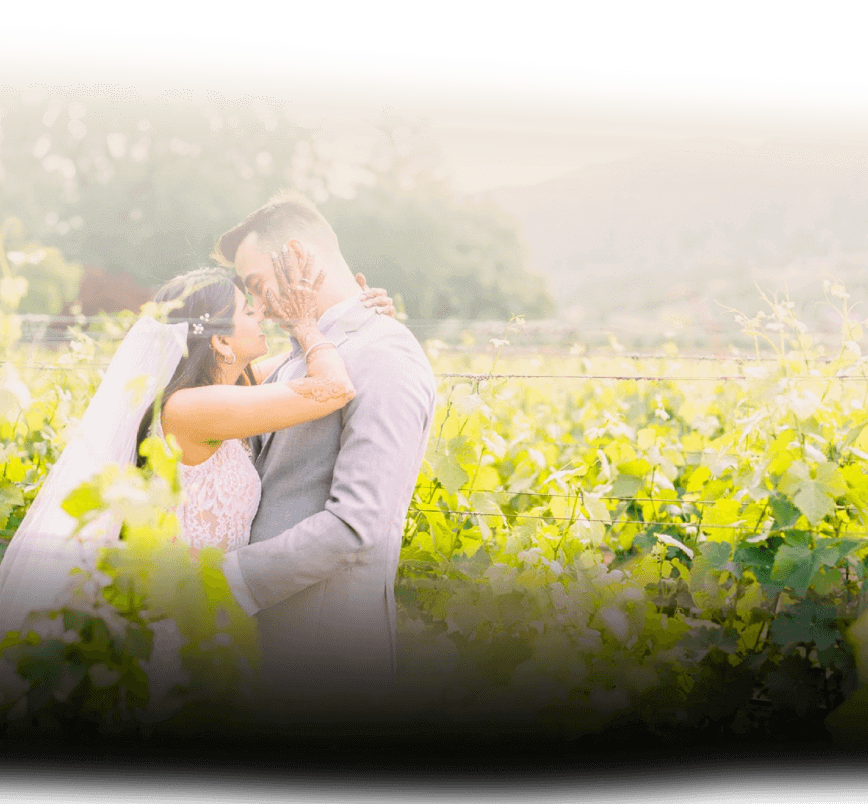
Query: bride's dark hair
pixel 208 296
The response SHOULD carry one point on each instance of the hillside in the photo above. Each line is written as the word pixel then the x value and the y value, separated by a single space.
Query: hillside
pixel 670 236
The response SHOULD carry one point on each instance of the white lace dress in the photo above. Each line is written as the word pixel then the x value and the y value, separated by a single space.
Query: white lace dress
pixel 220 498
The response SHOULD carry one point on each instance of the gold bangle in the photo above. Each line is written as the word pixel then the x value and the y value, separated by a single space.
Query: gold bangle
pixel 316 346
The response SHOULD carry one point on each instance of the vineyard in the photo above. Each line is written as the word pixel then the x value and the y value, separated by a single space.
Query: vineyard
pixel 670 543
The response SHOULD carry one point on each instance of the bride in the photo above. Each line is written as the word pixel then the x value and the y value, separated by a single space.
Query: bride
pixel 212 400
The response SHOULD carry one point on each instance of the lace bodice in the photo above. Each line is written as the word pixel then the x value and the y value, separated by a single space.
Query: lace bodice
pixel 221 496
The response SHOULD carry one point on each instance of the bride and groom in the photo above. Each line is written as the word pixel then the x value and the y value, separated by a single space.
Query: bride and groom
pixel 312 513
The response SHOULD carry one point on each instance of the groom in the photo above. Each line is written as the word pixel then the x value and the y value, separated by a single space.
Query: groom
pixel 319 572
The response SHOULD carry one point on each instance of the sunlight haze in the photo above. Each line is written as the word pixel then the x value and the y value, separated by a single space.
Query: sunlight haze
pixel 512 98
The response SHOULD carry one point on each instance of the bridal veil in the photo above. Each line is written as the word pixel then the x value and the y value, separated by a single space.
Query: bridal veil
pixel 35 570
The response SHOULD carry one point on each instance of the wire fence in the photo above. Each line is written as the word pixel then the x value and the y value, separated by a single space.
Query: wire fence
pixel 642 377
pixel 43 329
pixel 697 525
pixel 579 494
pixel 477 377
pixel 557 336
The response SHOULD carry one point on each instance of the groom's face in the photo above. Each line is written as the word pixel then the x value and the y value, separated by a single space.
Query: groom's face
pixel 257 271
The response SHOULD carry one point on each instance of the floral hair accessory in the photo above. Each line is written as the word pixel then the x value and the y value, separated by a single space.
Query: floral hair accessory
pixel 198 328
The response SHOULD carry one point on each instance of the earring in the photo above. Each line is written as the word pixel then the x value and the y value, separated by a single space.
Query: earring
pixel 224 359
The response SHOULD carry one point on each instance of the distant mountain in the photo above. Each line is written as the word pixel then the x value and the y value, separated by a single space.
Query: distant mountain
pixel 669 233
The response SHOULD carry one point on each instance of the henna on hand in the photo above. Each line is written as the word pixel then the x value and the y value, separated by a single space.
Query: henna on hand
pixel 297 303
pixel 326 388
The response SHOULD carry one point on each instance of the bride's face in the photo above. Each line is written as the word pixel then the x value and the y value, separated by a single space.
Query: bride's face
pixel 248 340
pixel 257 271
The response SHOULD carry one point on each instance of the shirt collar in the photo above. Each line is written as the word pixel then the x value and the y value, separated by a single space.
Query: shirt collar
pixel 336 311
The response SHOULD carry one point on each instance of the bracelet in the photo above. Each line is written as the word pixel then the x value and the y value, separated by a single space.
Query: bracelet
pixel 316 346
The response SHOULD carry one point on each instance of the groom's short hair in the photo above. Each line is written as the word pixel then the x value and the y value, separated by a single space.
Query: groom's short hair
pixel 286 214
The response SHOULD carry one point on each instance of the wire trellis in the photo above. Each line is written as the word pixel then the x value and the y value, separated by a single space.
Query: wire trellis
pixel 621 498
pixel 697 525
pixel 580 519
pixel 642 377
pixel 483 377
pixel 738 360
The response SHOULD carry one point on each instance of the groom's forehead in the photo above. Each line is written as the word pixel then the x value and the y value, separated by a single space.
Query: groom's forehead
pixel 251 263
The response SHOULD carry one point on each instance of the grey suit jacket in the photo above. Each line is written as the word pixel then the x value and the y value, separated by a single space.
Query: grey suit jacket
pixel 326 540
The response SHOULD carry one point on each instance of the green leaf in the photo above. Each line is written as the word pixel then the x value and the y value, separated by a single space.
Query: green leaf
pixel 846 546
pixel 85 498
pixel 717 554
pixel 698 479
pixel 781 454
pixel 807 622
pixel 450 473
pixel 798 538
pixel 814 491
pixel 626 485
pixel 163 458
pixel 785 513
pixel 11 496
pixel 794 567
pixel 825 581
pixel 442 533
pixel 725 512
pixel 636 468
pixel 760 559
pixel 827 555
pixel 485 503
pixel 786 630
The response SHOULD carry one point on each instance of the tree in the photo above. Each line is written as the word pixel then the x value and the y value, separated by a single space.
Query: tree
pixel 145 189
pixel 51 281
pixel 138 188
pixel 446 258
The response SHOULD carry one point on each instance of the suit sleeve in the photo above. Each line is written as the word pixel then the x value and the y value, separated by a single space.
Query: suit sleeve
pixel 385 430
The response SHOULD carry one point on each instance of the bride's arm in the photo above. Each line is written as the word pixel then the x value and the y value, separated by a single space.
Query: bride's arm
pixel 221 412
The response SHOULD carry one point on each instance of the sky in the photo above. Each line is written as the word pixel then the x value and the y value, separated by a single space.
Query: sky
pixel 509 96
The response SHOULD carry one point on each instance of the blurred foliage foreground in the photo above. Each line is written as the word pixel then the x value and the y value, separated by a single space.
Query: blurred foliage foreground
pixel 670 546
